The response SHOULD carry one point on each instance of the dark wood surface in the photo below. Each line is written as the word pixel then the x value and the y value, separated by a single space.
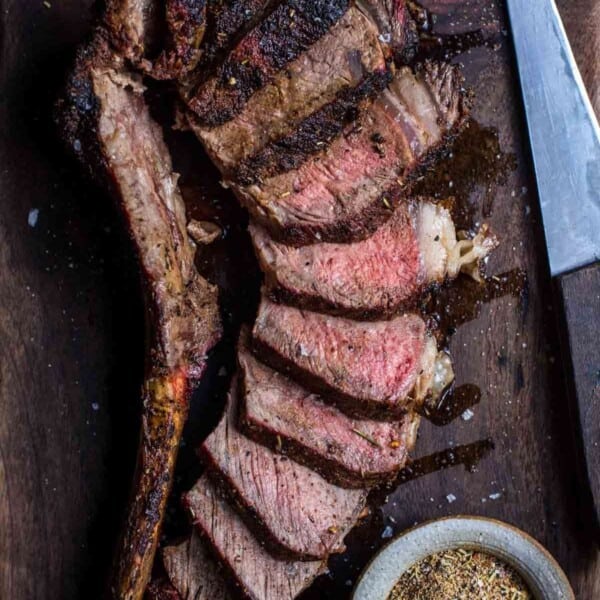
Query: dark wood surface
pixel 580 296
pixel 71 344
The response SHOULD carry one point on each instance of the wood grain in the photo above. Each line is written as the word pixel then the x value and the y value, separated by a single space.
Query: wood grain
pixel 71 345
pixel 580 296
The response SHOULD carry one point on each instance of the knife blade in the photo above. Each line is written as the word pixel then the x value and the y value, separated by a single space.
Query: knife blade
pixel 564 134
pixel 565 146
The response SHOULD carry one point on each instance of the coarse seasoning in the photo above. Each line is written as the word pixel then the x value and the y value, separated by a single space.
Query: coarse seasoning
pixel 461 574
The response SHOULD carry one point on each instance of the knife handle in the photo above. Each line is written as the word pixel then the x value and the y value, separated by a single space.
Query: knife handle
pixel 580 295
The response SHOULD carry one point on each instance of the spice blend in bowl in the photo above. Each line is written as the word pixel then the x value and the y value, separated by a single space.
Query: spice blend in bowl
pixel 461 574
pixel 470 558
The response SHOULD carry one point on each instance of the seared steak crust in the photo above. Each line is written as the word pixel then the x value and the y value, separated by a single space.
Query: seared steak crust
pixel 131 25
pixel 186 24
pixel 346 57
pixel 106 122
pixel 228 19
pixel 293 509
pixel 346 191
pixel 193 572
pixel 275 42
pixel 351 453
pixel 369 369
pixel 317 130
pixel 257 574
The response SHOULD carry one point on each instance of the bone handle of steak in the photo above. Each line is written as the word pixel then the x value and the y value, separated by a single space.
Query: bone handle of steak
pixel 164 414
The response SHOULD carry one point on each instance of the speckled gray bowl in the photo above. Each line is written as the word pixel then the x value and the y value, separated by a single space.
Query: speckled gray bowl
pixel 540 571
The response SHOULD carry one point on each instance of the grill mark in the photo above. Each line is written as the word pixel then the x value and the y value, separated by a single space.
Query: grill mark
pixel 275 42
pixel 312 135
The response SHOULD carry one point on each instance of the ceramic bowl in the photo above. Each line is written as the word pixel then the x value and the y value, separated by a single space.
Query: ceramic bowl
pixel 531 560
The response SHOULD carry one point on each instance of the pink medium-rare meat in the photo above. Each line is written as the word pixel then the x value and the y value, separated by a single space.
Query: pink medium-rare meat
pixel 295 511
pixel 348 452
pixel 345 192
pixel 257 574
pixel 372 369
pixel 375 277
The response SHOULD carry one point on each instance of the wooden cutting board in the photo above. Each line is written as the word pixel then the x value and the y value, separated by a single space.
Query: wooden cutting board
pixel 71 336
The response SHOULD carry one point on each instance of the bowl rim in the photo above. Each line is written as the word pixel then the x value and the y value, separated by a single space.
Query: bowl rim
pixel 539 569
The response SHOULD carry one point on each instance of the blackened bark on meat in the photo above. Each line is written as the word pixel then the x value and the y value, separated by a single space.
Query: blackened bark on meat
pixel 276 41
pixel 186 24
pixel 133 26
pixel 313 133
pixel 227 20
pixel 105 121
pixel 161 39
pixel 346 191
pixel 344 58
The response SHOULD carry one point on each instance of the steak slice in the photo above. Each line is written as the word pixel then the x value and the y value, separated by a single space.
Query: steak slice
pixel 228 19
pixel 348 190
pixel 320 89
pixel 369 369
pixel 279 413
pixel 299 513
pixel 257 574
pixel 186 25
pixel 376 277
pixel 105 120
pixel 132 26
pixel 281 37
pixel 395 24
pixel 193 572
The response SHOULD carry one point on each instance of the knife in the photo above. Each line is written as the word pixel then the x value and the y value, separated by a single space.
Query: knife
pixel 565 144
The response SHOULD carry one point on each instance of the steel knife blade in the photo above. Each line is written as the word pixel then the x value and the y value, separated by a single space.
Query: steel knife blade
pixel 564 134
pixel 565 145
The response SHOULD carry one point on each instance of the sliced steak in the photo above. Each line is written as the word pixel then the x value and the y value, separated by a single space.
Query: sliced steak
pixel 281 37
pixel 228 19
pixel 371 369
pixel 185 24
pixel 395 25
pixel 376 277
pixel 106 122
pixel 320 89
pixel 193 572
pixel 301 515
pixel 132 26
pixel 257 574
pixel 281 414
pixel 348 190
